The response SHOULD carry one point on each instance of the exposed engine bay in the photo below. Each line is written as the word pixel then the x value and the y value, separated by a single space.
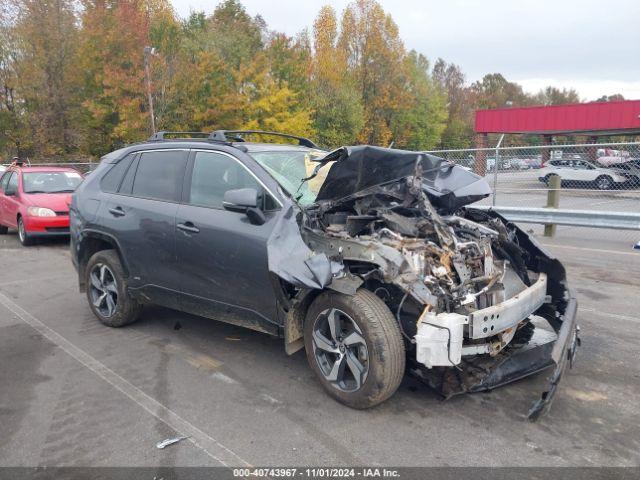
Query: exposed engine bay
pixel 464 284
pixel 451 264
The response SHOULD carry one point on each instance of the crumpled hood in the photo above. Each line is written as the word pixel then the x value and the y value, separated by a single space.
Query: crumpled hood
pixel 358 168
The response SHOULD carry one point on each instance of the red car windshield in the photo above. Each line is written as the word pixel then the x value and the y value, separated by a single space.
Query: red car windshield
pixel 50 182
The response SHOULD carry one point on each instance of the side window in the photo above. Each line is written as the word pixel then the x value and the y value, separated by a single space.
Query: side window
pixel 127 183
pixel 159 175
pixel 4 181
pixel 111 180
pixel 214 174
pixel 12 185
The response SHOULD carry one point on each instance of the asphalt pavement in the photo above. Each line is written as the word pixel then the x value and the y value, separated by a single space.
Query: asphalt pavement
pixel 76 393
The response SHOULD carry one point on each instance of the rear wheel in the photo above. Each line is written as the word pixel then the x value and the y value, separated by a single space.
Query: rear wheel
pixel 23 236
pixel 3 230
pixel 107 290
pixel 604 182
pixel 547 178
pixel 354 346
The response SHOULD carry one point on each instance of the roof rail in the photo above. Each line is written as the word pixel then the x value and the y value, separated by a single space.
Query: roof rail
pixel 163 133
pixel 237 135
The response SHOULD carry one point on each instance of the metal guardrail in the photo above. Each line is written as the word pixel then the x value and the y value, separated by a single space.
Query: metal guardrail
pixel 575 218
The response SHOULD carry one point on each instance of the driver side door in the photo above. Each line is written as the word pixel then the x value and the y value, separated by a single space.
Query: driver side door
pixel 221 255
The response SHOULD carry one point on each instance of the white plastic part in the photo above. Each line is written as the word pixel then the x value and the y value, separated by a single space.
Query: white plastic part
pixel 439 339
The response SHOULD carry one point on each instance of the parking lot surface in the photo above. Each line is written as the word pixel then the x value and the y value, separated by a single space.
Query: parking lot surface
pixel 76 393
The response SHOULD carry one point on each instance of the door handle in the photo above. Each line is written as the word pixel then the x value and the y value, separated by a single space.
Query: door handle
pixel 117 212
pixel 188 227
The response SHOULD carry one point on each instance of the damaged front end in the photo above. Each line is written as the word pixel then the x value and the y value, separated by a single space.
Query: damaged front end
pixel 478 301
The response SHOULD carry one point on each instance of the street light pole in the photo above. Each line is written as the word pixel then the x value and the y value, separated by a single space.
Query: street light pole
pixel 148 51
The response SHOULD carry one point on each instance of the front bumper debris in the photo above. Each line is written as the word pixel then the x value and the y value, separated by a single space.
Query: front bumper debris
pixel 542 351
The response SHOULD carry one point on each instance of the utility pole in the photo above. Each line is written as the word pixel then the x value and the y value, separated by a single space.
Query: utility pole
pixel 148 51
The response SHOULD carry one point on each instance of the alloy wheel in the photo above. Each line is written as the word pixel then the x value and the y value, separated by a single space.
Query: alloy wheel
pixel 21 233
pixel 104 290
pixel 340 350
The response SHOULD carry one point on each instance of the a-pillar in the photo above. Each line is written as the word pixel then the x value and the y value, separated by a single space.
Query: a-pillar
pixel 480 163
pixel 547 140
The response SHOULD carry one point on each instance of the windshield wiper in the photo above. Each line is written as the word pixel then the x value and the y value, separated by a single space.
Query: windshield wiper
pixel 35 191
pixel 62 191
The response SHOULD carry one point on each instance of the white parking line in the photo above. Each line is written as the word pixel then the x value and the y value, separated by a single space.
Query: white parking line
pixel 608 314
pixel 202 440
pixel 595 250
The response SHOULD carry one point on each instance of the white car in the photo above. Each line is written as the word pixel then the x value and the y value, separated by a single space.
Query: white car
pixel 581 172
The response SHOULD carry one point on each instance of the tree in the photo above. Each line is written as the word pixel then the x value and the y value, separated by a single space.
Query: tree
pixel 375 55
pixel 458 132
pixel 617 97
pixel 338 115
pixel 418 124
pixel 111 58
pixel 44 77
pixel 554 96
pixel 494 91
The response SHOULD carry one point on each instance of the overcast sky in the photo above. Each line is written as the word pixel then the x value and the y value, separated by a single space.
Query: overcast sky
pixel 592 46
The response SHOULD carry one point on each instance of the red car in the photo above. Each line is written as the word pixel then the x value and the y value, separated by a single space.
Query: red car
pixel 34 200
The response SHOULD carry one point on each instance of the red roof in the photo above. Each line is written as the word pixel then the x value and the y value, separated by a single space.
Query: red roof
pixel 603 118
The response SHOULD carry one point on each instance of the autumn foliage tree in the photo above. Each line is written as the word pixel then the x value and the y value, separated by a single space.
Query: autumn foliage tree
pixel 72 78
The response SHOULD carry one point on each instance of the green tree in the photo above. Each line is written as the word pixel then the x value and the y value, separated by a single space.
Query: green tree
pixel 44 39
pixel 338 115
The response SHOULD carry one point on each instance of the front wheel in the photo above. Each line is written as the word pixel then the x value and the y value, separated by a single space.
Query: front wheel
pixel 604 182
pixel 355 348
pixel 23 236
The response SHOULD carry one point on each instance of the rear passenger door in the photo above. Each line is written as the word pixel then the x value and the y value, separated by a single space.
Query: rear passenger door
pixel 221 255
pixel 140 213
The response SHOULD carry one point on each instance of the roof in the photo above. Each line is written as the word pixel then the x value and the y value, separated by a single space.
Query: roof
pixel 41 168
pixel 595 118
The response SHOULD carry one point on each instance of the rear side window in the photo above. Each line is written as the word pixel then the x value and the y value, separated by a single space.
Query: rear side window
pixel 112 179
pixel 159 175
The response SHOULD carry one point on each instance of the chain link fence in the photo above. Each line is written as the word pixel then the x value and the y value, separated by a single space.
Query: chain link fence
pixel 596 177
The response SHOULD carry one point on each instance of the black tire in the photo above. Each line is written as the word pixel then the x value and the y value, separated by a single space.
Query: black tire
pixel 126 309
pixel 23 236
pixel 547 178
pixel 604 182
pixel 385 348
pixel 3 230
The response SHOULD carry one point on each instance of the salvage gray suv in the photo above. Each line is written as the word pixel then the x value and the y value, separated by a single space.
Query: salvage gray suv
pixel 366 257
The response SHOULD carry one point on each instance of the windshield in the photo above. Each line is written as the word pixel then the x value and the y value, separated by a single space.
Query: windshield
pixel 290 168
pixel 50 182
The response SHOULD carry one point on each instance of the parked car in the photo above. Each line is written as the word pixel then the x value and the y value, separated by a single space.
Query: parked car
pixel 366 257
pixel 574 173
pixel 34 200
pixel 630 170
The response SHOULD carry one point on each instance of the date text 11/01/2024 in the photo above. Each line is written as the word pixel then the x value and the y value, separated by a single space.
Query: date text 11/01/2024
pixel 316 472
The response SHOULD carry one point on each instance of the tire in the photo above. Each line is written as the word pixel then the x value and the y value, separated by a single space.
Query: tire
pixel 107 290
pixel 23 236
pixel 378 329
pixel 604 182
pixel 3 230
pixel 547 179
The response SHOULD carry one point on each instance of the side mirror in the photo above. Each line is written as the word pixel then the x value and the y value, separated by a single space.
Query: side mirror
pixel 244 200
pixel 240 199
